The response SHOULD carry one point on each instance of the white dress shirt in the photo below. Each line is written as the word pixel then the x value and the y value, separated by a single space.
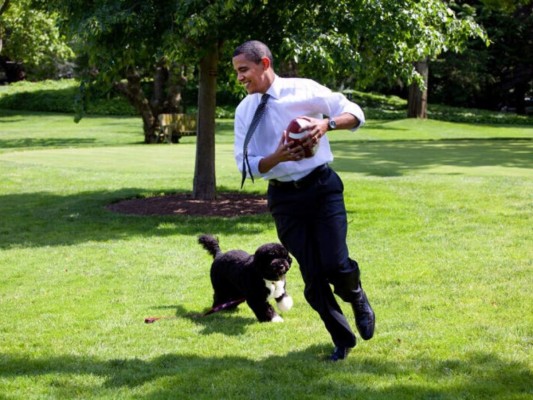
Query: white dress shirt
pixel 289 98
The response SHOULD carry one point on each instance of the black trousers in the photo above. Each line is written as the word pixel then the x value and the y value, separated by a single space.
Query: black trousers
pixel 311 223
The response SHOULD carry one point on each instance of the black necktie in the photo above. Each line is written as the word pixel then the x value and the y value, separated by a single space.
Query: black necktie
pixel 259 112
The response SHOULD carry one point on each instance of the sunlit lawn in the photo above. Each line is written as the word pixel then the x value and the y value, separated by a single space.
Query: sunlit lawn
pixel 440 221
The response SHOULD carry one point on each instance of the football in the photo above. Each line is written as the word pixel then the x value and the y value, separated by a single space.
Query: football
pixel 297 131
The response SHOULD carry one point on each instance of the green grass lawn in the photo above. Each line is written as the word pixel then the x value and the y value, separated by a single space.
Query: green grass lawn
pixel 440 221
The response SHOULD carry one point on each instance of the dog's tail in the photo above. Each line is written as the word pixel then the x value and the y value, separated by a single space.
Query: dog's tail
pixel 210 243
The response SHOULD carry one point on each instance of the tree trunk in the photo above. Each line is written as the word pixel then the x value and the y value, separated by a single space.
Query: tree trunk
pixel 157 102
pixel 520 91
pixel 204 185
pixel 176 83
pixel 417 101
pixel 132 89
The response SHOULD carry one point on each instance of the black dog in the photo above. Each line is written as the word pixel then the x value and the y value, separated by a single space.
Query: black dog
pixel 237 275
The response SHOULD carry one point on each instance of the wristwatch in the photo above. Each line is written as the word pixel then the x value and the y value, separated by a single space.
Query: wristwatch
pixel 331 124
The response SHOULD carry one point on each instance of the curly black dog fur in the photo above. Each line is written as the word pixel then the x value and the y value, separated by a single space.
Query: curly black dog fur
pixel 256 278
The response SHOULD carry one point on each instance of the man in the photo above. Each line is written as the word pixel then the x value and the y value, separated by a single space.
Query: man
pixel 305 196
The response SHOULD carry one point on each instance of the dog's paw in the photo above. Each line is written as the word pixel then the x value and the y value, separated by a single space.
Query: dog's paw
pixel 285 304
pixel 276 318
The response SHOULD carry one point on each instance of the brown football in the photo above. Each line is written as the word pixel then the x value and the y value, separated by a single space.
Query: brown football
pixel 297 131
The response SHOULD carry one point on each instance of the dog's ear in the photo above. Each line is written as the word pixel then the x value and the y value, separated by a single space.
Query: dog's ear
pixel 264 254
pixel 284 253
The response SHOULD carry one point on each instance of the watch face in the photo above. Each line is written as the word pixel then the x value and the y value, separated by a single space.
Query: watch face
pixel 332 124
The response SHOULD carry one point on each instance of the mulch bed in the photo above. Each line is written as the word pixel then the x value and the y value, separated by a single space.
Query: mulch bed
pixel 225 205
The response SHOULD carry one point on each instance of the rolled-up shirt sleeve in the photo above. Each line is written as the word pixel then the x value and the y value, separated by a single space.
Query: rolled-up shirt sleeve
pixel 336 104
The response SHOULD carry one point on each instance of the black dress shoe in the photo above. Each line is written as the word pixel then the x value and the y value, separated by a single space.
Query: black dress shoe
pixel 340 353
pixel 365 319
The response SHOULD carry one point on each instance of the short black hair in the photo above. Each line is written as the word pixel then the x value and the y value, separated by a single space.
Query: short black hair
pixel 254 50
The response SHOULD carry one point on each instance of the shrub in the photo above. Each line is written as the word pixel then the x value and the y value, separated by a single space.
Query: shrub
pixel 60 96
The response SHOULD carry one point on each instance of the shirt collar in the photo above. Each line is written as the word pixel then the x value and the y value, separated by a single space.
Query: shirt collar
pixel 275 88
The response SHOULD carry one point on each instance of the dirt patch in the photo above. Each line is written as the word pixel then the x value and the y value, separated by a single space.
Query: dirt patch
pixel 225 205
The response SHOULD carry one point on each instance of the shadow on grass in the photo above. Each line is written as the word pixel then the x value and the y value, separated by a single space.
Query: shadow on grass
pixel 46 219
pixel 395 158
pixel 225 322
pixel 298 374
pixel 35 143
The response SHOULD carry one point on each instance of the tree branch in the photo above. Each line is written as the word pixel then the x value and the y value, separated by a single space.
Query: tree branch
pixel 5 5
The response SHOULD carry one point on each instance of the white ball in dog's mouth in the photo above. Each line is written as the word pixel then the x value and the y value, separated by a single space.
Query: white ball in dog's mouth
pixel 286 303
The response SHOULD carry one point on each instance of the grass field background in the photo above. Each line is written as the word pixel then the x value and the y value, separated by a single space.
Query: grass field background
pixel 440 220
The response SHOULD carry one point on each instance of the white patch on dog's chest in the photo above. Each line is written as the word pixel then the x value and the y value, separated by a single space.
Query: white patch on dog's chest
pixel 276 288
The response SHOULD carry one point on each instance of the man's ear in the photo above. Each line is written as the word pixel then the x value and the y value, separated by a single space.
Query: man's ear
pixel 266 62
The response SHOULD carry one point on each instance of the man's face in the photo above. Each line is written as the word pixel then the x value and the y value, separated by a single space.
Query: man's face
pixel 251 75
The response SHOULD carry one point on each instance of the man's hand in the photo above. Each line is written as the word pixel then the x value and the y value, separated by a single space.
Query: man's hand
pixel 284 152
pixel 317 128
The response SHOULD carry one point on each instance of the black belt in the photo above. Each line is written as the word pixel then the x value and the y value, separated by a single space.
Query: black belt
pixel 303 182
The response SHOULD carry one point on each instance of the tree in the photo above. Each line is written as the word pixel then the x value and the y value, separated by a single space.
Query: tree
pixel 345 38
pixel 455 33
pixel 418 96
pixel 347 41
pixel 4 5
pixel 385 41
pixel 31 37
pixel 493 77
pixel 121 45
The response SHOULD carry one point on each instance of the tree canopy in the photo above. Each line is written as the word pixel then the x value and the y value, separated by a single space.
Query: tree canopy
pixel 337 42
pixel 31 36
pixel 369 41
